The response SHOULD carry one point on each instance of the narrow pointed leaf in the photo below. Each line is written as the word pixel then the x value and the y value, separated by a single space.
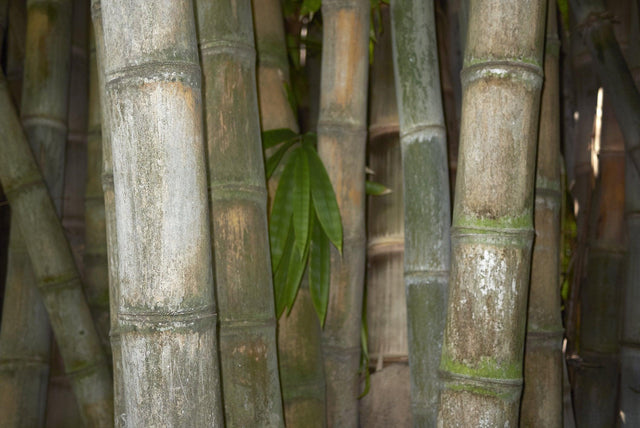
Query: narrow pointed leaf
pixel 274 137
pixel 282 212
pixel 324 199
pixel 281 273
pixel 301 201
pixel 274 160
pixel 376 189
pixel 297 265
pixel 319 270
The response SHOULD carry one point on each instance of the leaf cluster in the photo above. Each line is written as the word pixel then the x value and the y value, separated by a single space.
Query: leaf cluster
pixel 305 219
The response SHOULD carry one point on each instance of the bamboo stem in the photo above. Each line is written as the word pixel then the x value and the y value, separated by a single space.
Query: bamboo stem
pixel 341 146
pixel 238 197
pixel 166 308
pixel 426 196
pixel 299 347
pixel 542 394
pixel 492 221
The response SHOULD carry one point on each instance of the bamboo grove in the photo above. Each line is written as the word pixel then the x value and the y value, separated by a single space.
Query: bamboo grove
pixel 319 213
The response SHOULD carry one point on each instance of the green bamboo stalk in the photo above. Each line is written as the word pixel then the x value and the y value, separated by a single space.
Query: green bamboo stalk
pixel 492 229
pixel 238 195
pixel 630 337
pixel 341 146
pixel 596 379
pixel 54 268
pixel 542 394
pixel 594 23
pixel 25 366
pixel 299 347
pixel 388 400
pixel 426 196
pixel 110 219
pixel 166 308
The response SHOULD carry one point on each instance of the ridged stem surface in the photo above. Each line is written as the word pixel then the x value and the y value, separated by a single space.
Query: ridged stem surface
pixel 238 197
pixel 492 228
pixel 166 310
pixel 341 145
pixel 543 363
pixel 427 208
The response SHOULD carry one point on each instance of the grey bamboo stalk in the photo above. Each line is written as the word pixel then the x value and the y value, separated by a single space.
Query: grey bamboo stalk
pixel 166 309
pixel 299 347
pixel 388 400
pixel 341 146
pixel 44 118
pixel 542 394
pixel 426 196
pixel 54 268
pixel 595 25
pixel 238 196
pixel 110 219
pixel 492 229
pixel 630 337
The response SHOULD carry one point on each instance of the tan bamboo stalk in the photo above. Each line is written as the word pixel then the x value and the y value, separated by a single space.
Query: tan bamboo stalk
pixel 110 218
pixel 299 347
pixel 492 221
pixel 630 337
pixel 341 146
pixel 388 400
pixel 426 197
pixel 238 195
pixel 166 309
pixel 596 378
pixel 54 268
pixel 44 105
pixel 542 394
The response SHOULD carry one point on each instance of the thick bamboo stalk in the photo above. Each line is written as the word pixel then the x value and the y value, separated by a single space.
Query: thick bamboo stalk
pixel 341 145
pixel 426 196
pixel 492 221
pixel 238 197
pixel 595 25
pixel 542 394
pixel 166 309
pixel 299 347
pixel 596 378
pixel 630 337
pixel 44 105
pixel 388 401
pixel 54 268
pixel 110 218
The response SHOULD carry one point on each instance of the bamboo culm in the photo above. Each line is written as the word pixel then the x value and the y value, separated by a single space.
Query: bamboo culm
pixel 341 146
pixel 238 198
pixel 492 228
pixel 166 310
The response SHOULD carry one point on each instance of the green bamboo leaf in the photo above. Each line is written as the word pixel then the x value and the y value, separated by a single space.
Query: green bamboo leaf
pixel 273 137
pixel 282 211
pixel 324 198
pixel 319 270
pixel 274 160
pixel 376 189
pixel 281 274
pixel 301 201
pixel 297 265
